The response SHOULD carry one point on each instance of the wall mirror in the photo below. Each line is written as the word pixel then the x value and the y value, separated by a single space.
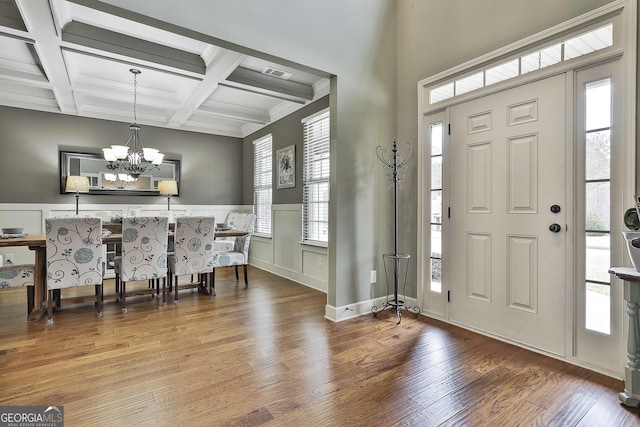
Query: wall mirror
pixel 103 180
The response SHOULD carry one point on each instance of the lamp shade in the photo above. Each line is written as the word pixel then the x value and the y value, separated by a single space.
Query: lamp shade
pixel 79 184
pixel 168 187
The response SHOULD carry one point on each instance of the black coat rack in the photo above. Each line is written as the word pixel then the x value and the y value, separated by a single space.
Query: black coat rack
pixel 394 165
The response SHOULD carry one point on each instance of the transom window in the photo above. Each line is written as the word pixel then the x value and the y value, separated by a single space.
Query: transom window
pixel 583 44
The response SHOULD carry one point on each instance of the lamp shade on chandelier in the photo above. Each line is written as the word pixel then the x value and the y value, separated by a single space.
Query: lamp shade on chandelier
pixel 133 158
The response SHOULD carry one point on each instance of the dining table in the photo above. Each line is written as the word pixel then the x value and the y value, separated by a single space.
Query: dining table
pixel 38 244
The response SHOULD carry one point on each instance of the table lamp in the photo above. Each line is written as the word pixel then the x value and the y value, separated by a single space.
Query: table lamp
pixel 79 184
pixel 168 188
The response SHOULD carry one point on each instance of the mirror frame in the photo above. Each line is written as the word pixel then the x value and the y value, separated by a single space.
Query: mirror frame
pixel 65 155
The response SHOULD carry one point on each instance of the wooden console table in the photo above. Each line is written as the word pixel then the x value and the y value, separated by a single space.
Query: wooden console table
pixel 631 394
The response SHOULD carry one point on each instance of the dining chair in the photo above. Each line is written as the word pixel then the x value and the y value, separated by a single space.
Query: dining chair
pixel 235 221
pixel 238 256
pixel 144 253
pixel 193 250
pixel 19 276
pixel 74 256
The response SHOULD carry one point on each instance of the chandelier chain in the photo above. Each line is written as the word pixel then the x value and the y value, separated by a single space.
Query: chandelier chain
pixel 135 97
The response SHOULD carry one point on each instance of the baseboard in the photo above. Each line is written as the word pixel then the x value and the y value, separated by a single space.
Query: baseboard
pixel 294 276
pixel 350 311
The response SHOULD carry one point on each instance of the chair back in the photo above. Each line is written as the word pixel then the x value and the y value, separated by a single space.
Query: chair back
pixel 144 247
pixel 245 222
pixel 242 246
pixel 193 243
pixel 74 252
pixel 241 221
pixel 16 276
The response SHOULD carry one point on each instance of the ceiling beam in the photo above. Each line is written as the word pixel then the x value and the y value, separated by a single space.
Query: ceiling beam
pixel 270 85
pixel 110 41
pixel 221 64
pixel 46 49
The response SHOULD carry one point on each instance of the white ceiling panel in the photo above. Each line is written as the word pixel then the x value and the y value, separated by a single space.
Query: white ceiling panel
pixel 231 96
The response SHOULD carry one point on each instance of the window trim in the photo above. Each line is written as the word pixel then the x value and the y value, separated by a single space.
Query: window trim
pixel 321 115
pixel 267 158
pixel 612 13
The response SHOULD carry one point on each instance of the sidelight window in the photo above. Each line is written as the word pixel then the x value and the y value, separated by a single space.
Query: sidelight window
pixel 597 193
pixel 436 207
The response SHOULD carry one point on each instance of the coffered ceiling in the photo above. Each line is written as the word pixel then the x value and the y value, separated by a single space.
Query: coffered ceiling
pixel 74 57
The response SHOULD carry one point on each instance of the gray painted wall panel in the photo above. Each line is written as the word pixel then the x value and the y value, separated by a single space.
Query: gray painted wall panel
pixel 30 140
pixel 286 131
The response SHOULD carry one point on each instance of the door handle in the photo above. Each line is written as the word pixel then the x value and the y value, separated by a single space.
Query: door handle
pixel 555 228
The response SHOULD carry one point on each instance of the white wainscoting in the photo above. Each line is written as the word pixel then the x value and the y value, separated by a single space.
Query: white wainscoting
pixel 284 253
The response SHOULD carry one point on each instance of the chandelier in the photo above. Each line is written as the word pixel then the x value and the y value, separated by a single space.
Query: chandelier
pixel 133 158
pixel 119 180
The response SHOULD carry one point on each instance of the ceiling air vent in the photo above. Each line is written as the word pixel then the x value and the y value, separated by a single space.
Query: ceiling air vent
pixel 274 72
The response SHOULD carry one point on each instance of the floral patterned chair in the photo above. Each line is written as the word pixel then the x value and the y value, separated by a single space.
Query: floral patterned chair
pixel 74 256
pixel 240 253
pixel 19 276
pixel 144 253
pixel 193 245
pixel 235 221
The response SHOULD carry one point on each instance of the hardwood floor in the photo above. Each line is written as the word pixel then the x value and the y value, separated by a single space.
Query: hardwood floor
pixel 265 356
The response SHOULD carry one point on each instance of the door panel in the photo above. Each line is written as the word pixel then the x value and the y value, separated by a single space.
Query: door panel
pixel 508 155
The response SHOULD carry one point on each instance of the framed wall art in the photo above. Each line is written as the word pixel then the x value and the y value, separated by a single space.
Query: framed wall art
pixel 286 158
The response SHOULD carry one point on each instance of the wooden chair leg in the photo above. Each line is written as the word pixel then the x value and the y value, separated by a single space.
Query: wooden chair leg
pixel 50 306
pixel 123 291
pixel 236 268
pixel 164 291
pixel 246 280
pixel 175 291
pixel 212 283
pixel 99 298
pixel 57 293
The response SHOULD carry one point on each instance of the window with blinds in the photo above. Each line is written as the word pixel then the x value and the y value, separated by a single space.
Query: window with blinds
pixel 262 179
pixel 315 179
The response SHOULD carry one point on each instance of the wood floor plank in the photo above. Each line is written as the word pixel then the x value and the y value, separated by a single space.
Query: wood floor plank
pixel 266 356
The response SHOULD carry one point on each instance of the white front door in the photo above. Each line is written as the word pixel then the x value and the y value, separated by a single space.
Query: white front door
pixel 507 180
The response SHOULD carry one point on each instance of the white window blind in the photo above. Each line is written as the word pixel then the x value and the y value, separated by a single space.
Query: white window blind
pixel 315 179
pixel 262 179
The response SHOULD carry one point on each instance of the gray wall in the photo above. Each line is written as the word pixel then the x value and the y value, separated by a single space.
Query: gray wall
pixel 211 165
pixel 286 131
